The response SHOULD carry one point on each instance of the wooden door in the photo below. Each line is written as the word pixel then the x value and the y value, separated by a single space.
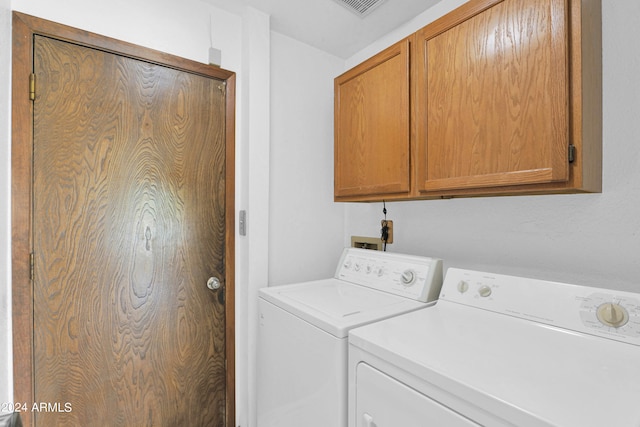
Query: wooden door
pixel 372 134
pixel 129 221
pixel 492 99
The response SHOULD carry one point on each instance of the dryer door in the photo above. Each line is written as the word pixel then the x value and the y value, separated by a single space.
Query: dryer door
pixel 382 401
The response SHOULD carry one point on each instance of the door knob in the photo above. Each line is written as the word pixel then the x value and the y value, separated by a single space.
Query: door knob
pixel 213 283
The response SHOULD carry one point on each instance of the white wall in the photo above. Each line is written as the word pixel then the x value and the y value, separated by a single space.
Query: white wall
pixel 6 377
pixel 591 239
pixel 305 227
pixel 174 27
pixel 253 263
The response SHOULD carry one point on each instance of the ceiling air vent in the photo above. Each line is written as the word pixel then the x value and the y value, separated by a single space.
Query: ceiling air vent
pixel 360 7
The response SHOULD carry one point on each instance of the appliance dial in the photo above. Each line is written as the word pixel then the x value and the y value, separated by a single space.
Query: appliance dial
pixel 463 286
pixel 484 291
pixel 408 277
pixel 612 314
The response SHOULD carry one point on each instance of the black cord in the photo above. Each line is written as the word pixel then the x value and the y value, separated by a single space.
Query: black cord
pixel 385 228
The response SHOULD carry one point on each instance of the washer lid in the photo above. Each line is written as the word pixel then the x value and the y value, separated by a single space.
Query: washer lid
pixel 524 372
pixel 337 306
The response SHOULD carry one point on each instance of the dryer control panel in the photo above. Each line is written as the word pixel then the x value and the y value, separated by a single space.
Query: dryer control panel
pixel 410 276
pixel 596 311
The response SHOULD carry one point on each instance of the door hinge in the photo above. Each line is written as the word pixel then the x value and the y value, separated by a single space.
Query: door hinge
pixel 31 265
pixel 572 153
pixel 32 87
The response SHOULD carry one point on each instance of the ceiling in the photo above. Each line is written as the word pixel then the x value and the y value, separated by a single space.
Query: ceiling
pixel 330 26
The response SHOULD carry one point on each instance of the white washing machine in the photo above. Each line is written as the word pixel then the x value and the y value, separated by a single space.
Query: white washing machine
pixel 501 351
pixel 303 332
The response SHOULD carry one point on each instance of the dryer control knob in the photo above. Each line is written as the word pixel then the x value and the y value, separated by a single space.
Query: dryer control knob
pixel 484 291
pixel 611 314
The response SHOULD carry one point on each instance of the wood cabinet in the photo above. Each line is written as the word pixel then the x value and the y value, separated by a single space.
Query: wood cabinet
pixel 505 99
pixel 372 126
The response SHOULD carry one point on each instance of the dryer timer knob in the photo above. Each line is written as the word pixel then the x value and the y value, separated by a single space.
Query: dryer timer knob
pixel 611 314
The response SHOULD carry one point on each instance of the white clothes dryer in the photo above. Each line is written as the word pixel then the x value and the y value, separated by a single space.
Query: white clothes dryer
pixel 500 350
pixel 303 332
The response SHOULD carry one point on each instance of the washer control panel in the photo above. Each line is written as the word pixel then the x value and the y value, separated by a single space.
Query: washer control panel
pixel 596 311
pixel 410 276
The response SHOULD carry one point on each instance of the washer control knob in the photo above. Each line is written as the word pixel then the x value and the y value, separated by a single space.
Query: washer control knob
pixel 380 271
pixel 408 277
pixel 463 286
pixel 356 267
pixel 484 291
pixel 612 314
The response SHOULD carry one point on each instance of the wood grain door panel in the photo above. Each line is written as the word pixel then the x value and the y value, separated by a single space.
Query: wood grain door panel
pixel 493 97
pixel 128 224
pixel 372 126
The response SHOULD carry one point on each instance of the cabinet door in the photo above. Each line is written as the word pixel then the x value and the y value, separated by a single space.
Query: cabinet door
pixel 492 103
pixel 372 135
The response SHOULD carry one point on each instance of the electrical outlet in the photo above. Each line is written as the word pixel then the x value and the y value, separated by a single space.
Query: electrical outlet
pixel 373 243
pixel 389 224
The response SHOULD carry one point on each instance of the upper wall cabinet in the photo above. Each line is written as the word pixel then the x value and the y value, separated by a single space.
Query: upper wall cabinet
pixel 506 99
pixel 372 127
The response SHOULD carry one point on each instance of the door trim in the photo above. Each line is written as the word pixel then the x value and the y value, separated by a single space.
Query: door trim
pixel 25 27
